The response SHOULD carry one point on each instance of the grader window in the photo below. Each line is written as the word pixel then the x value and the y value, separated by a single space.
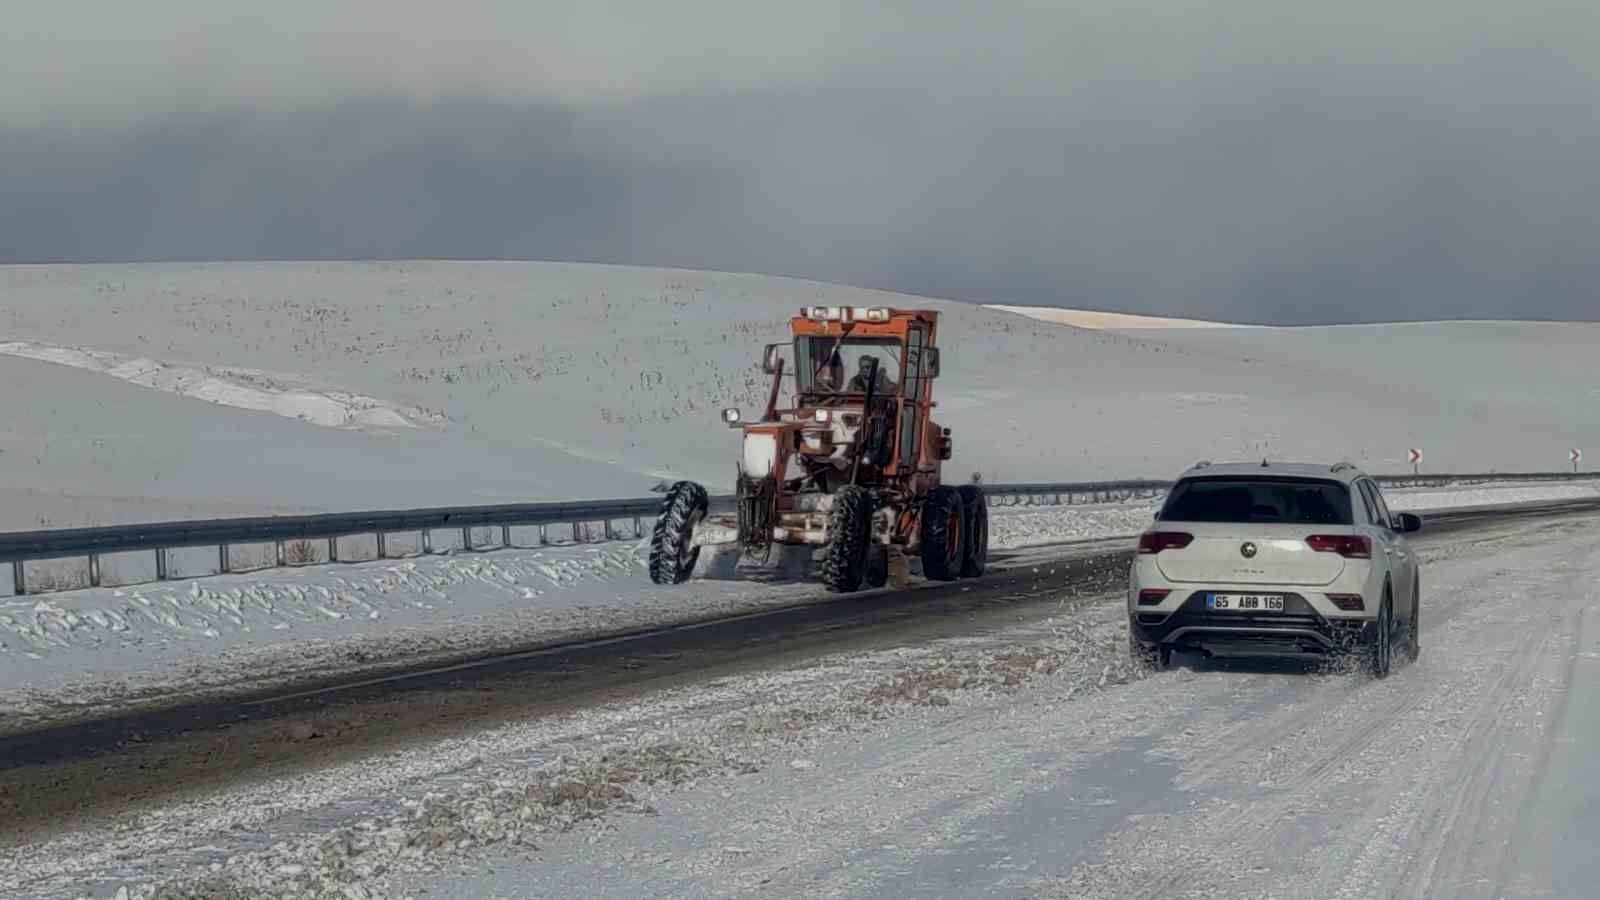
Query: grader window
pixel 829 365
pixel 909 431
pixel 915 383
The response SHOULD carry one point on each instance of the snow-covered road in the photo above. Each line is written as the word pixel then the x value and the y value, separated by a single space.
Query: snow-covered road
pixel 1468 775
pixel 1021 758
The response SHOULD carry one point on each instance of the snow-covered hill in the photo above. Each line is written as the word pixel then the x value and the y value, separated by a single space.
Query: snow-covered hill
pixel 1111 321
pixel 153 391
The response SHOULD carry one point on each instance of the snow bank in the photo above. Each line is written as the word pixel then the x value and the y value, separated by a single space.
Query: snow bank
pixel 593 586
pixel 1088 318
pixel 97 648
pixel 1032 527
pixel 1037 526
pixel 227 387
pixel 320 601
pixel 1439 498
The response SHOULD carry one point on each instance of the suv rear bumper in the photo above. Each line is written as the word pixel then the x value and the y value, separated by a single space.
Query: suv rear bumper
pixel 1299 628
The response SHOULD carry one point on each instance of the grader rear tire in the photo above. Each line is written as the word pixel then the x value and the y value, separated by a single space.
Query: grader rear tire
pixel 877 566
pixel 944 526
pixel 975 556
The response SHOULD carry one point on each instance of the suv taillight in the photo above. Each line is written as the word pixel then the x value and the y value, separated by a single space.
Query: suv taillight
pixel 1349 546
pixel 1347 602
pixel 1157 541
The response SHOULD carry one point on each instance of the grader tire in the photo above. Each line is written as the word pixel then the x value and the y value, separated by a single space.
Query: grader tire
pixel 877 566
pixel 975 555
pixel 672 549
pixel 944 524
pixel 844 565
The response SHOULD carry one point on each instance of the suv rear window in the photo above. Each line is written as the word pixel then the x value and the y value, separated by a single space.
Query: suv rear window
pixel 1258 500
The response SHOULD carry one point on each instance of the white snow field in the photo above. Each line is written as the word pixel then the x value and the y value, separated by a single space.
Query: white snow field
pixel 172 390
pixel 1110 321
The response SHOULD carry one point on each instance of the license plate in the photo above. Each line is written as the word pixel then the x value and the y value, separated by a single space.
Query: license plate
pixel 1272 603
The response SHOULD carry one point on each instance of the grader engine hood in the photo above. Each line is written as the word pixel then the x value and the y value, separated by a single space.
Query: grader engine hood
pixel 766 450
pixel 828 433
pixel 816 434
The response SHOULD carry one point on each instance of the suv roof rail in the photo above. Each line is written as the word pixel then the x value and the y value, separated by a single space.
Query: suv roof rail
pixel 1202 464
pixel 1341 466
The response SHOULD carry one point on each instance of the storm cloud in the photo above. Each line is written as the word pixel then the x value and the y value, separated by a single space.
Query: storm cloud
pixel 1239 161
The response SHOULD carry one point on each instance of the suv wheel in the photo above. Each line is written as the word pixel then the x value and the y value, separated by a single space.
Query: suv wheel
pixel 1414 627
pixel 1381 655
pixel 1154 657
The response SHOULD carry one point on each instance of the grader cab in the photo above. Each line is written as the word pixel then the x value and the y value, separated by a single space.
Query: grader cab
pixel 851 466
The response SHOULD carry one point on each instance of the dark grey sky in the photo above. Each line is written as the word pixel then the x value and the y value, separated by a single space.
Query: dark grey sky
pixel 1256 160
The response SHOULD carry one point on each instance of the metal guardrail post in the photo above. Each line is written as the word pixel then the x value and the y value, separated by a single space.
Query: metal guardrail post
pixel 283 556
pixel 605 528
pixel 638 527
pixel 427 541
pixel 505 536
pixel 383 552
pixel 19 578
pixel 222 558
pixel 161 561
pixel 94 570
pixel 577 535
pixel 544 536
pixel 466 538
pixel 333 549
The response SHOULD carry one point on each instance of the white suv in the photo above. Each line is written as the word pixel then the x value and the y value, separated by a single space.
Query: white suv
pixel 1273 558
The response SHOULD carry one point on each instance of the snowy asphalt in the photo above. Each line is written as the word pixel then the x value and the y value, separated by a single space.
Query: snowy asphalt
pixel 1470 774
pixel 813 620
pixel 980 747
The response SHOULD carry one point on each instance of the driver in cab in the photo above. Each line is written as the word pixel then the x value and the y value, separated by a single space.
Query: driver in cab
pixel 881 385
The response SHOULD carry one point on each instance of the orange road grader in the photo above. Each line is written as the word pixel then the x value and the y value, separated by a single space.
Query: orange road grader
pixel 852 467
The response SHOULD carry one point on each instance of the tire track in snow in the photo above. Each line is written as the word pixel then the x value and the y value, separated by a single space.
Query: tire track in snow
pixel 1404 784
pixel 1461 838
pixel 1251 828
pixel 1414 806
